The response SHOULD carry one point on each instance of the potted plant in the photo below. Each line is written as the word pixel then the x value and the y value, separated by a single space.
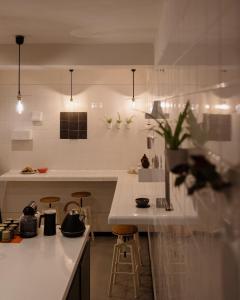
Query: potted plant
pixel 174 138
pixel 128 121
pixel 109 122
pixel 119 121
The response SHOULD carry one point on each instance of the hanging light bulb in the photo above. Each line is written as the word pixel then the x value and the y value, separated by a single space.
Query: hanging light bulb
pixel 71 71
pixel 133 97
pixel 19 106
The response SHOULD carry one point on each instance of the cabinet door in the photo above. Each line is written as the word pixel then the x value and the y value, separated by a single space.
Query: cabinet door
pixel 85 274
pixel 74 292
pixel 80 287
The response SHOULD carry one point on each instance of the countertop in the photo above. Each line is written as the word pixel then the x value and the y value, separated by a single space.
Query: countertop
pixel 123 209
pixel 64 175
pixel 41 267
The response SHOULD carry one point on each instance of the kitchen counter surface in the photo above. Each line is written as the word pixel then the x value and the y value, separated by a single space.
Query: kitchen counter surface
pixel 64 175
pixel 123 209
pixel 40 268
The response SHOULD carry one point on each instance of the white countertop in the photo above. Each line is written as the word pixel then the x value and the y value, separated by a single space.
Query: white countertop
pixel 123 209
pixel 64 175
pixel 40 268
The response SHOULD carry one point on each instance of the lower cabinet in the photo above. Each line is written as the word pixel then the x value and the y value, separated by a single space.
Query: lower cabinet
pixel 80 287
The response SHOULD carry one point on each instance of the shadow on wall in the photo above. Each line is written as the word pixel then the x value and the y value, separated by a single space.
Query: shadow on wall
pixel 64 89
pixel 22 146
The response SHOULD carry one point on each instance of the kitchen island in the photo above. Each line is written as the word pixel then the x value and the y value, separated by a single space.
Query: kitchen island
pixel 128 188
pixel 45 267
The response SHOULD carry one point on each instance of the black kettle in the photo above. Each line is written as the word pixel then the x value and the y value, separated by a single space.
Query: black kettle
pixel 73 224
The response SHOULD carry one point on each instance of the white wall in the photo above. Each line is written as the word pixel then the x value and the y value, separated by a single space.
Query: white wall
pixel 47 90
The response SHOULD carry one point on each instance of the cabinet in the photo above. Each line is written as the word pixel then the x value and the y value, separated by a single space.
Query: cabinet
pixel 80 287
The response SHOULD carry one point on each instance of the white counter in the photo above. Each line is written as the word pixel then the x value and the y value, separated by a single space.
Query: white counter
pixel 123 209
pixel 39 268
pixel 64 175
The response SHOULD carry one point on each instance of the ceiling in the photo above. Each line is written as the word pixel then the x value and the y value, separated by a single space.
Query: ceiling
pixel 79 21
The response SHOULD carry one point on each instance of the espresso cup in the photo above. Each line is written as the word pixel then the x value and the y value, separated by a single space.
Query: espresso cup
pixel 142 202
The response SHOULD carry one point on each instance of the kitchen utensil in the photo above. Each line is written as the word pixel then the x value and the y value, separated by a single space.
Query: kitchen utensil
pixel 142 202
pixel 49 221
pixel 6 236
pixel 42 170
pixel 28 223
pixel 73 225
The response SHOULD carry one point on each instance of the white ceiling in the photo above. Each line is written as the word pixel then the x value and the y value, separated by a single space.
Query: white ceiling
pixel 79 21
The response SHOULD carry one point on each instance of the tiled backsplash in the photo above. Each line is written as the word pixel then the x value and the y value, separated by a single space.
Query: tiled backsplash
pixel 73 125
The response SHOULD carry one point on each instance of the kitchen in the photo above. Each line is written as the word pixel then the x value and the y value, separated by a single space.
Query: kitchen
pixel 199 63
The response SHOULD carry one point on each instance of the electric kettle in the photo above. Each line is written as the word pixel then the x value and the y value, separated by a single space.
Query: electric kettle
pixel 28 223
pixel 73 224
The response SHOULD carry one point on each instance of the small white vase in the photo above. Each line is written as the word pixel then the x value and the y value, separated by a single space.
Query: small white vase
pixel 118 125
pixel 109 125
pixel 128 125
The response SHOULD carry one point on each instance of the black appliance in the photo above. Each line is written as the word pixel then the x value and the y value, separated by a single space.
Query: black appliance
pixel 73 224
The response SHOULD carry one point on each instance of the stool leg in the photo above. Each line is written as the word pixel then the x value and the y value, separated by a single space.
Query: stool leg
pixel 115 249
pixel 58 221
pixel 136 239
pixel 136 262
pixel 133 271
pixel 88 220
pixel 118 252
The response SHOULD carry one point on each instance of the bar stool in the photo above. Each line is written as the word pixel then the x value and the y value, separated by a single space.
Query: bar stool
pixel 126 245
pixel 52 200
pixel 86 210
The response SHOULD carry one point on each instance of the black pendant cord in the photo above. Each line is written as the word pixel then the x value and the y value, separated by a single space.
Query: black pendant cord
pixel 133 98
pixel 71 71
pixel 19 42
pixel 19 76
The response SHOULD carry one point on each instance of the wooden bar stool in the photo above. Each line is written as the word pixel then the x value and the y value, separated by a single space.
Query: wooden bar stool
pixel 126 246
pixel 86 210
pixel 50 200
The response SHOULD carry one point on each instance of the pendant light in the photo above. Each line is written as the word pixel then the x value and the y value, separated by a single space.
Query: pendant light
pixel 133 97
pixel 19 42
pixel 71 72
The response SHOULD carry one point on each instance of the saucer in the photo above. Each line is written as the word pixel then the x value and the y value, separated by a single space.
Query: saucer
pixel 143 206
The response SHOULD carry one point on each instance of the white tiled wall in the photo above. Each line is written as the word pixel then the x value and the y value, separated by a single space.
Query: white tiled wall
pixel 48 90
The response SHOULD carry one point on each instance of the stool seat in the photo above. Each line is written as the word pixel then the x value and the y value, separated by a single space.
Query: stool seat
pixel 81 194
pixel 49 199
pixel 124 229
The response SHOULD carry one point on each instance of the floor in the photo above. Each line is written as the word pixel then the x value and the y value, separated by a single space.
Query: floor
pixel 101 258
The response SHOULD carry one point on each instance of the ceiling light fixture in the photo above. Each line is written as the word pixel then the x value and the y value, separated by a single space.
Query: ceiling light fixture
pixel 19 42
pixel 71 72
pixel 133 97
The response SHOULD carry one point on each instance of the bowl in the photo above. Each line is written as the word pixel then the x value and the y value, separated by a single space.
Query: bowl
pixel 142 202
pixel 42 170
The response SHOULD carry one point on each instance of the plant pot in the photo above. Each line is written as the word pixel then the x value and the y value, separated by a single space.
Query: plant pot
pixel 118 125
pixel 128 125
pixel 175 157
pixel 109 125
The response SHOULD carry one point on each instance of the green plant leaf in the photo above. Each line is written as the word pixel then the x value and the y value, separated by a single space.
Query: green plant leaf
pixel 183 138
